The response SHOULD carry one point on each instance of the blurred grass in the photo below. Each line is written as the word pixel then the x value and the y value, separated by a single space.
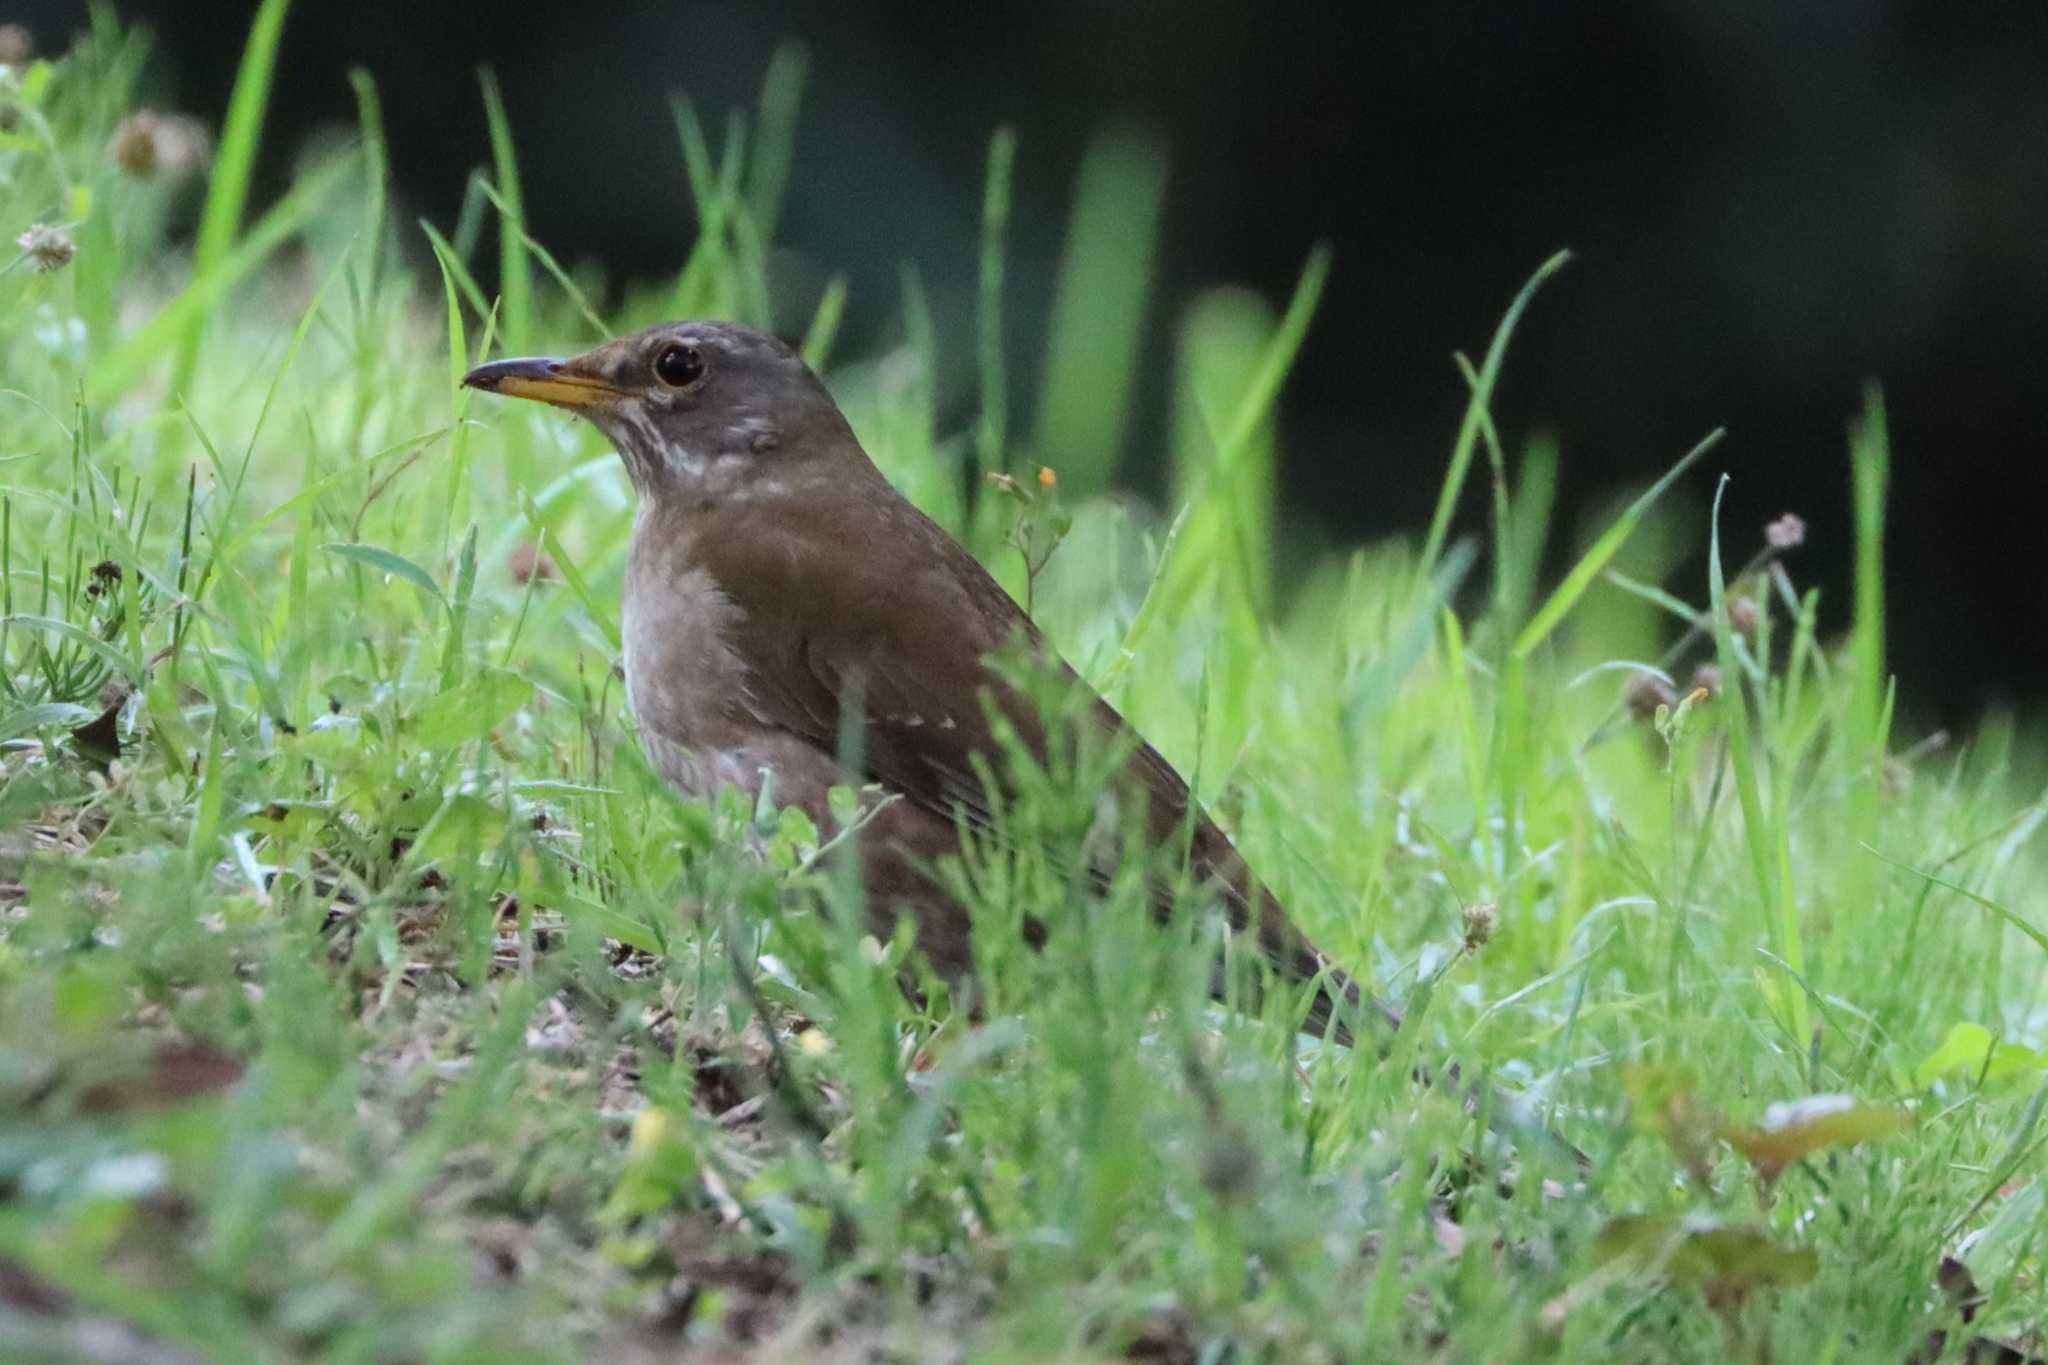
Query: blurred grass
pixel 364 996
pixel 227 189
pixel 1100 305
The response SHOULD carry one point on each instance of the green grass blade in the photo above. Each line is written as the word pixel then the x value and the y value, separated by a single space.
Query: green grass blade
pixel 1229 482
pixel 817 342
pixel 390 562
pixel 1099 305
pixel 992 432
pixel 1468 431
pixel 1505 589
pixel 1604 549
pixel 2039 937
pixel 284 367
pixel 605 618
pixel 1280 351
pixel 458 365
pixel 228 191
pixel 449 258
pixel 196 301
pixel 1532 509
pixel 1868 729
pixel 84 639
pixel 775 136
pixel 1655 596
pixel 458 339
pixel 370 117
pixel 1150 604
pixel 452 656
pixel 515 281
pixel 328 483
pixel 1765 840
pixel 1870 466
pixel 509 222
pixel 44 715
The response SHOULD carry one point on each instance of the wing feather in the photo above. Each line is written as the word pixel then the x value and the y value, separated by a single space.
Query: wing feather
pixel 907 629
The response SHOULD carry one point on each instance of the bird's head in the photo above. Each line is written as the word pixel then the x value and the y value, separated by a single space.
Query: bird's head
pixel 696 409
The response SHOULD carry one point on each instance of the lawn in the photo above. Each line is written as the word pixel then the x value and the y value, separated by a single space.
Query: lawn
pixel 365 997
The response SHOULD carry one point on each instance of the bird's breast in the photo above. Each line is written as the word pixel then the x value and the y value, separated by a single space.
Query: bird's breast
pixel 684 679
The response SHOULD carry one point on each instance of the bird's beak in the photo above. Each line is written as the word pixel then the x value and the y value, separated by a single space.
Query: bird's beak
pixel 560 382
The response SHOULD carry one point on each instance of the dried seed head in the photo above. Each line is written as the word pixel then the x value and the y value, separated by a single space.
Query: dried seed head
pixel 1895 778
pixel 1745 614
pixel 1480 918
pixel 1645 693
pixel 1707 677
pixel 47 248
pixel 17 45
pixel 133 146
pixel 528 562
pixel 149 145
pixel 1787 532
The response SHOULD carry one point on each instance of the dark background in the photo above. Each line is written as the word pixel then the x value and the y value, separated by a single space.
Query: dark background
pixel 1769 203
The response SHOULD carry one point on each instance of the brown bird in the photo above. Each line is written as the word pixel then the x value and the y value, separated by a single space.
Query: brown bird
pixel 776 579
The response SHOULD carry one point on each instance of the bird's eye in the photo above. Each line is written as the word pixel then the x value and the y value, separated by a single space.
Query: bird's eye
pixel 678 365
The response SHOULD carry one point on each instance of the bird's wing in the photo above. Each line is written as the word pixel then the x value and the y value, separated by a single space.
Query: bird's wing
pixel 907 624
pixel 903 622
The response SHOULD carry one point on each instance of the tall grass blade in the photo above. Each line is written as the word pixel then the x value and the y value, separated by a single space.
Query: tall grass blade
pixel 228 190
pixel 515 279
pixel 1099 307
pixel 448 254
pixel 992 432
pixel 1230 485
pixel 2015 921
pixel 818 337
pixel 370 117
pixel 1870 467
pixel 458 362
pixel 1869 713
pixel 1582 574
pixel 1468 430
pixel 195 303
pixel 1256 404
pixel 775 136
pixel 1769 856
pixel 508 217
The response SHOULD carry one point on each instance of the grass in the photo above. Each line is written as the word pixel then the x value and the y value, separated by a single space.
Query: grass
pixel 364 997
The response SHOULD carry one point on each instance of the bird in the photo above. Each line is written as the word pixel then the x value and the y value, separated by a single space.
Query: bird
pixel 778 588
